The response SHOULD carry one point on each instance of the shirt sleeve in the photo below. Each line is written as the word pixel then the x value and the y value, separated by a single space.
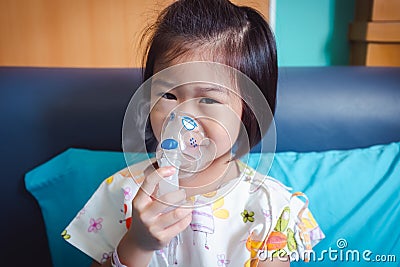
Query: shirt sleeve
pixel 296 231
pixel 105 218
pixel 288 228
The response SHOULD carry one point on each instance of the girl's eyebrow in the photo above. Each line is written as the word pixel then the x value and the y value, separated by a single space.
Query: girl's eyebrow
pixel 214 88
pixel 202 88
pixel 163 83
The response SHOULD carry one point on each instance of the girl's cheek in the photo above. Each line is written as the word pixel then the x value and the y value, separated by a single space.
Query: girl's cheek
pixel 156 120
pixel 223 132
pixel 223 125
pixel 164 106
pixel 159 113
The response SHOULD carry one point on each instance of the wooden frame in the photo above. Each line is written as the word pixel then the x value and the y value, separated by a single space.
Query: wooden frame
pixel 79 33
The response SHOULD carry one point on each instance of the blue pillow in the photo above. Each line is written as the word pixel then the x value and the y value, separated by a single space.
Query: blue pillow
pixel 354 195
pixel 62 186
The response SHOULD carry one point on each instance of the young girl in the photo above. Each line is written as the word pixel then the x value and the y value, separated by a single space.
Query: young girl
pixel 239 217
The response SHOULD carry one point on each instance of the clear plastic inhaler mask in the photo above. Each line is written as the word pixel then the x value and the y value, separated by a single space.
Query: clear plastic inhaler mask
pixel 185 146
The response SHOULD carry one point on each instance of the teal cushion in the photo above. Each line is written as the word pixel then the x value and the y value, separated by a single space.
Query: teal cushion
pixel 62 186
pixel 354 195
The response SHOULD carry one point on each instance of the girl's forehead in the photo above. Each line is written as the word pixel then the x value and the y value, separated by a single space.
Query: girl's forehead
pixel 207 76
pixel 200 86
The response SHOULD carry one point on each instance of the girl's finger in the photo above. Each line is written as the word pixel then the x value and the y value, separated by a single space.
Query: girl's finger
pixel 175 228
pixel 171 218
pixel 166 202
pixel 149 184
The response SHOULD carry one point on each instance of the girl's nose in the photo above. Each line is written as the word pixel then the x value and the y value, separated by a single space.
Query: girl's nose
pixel 190 107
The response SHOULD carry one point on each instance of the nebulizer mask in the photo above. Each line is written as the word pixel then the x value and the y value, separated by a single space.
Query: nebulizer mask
pixel 185 146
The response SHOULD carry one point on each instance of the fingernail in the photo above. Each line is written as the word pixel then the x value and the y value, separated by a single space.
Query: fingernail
pixel 183 192
pixel 170 170
pixel 188 211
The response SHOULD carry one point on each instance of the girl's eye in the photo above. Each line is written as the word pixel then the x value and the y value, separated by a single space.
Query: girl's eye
pixel 209 101
pixel 168 96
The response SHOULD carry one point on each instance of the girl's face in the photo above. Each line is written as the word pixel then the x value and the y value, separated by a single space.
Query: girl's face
pixel 218 109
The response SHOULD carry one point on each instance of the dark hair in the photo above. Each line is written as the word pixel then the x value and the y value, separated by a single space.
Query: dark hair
pixel 237 36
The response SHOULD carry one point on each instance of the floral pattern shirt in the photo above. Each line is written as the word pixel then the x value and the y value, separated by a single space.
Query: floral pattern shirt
pixel 256 218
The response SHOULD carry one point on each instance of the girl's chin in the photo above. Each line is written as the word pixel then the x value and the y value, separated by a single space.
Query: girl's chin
pixel 198 180
pixel 208 178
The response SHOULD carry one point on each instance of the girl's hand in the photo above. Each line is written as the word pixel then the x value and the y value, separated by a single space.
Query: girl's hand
pixel 152 227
